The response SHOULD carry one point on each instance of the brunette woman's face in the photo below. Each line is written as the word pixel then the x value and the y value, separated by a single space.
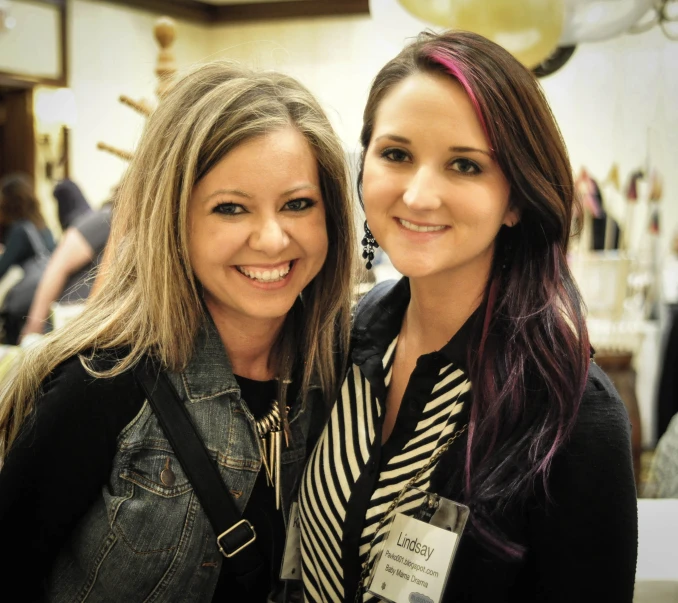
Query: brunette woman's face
pixel 257 228
pixel 434 197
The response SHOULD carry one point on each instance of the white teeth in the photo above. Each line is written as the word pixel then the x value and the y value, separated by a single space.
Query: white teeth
pixel 417 228
pixel 267 276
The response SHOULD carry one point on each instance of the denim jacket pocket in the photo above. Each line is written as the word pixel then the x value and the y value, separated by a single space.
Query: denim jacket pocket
pixel 154 517
pixel 158 471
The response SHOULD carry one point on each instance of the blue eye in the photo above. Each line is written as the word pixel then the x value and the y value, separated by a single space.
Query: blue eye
pixel 466 166
pixel 299 204
pixel 395 155
pixel 229 209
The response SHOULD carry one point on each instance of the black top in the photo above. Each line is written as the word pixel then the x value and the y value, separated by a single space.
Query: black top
pixel 260 510
pixel 56 469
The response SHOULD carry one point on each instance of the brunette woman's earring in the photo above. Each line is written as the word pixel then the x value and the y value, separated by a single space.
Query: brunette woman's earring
pixel 369 245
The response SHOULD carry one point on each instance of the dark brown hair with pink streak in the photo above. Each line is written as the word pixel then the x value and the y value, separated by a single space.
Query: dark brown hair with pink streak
pixel 529 354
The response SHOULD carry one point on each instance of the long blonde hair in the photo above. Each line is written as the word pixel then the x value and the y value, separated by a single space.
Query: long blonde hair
pixel 149 301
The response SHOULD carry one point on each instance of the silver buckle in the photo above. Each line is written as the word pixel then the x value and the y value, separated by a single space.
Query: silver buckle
pixel 233 527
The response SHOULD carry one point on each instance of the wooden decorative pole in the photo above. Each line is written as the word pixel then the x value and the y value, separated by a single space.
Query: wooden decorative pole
pixel 166 67
pixel 165 34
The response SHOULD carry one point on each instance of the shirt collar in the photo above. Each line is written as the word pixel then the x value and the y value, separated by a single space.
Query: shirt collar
pixel 379 323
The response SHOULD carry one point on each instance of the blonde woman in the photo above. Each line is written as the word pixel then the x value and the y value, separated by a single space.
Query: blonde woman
pixel 231 272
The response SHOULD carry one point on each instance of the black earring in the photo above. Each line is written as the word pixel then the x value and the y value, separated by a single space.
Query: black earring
pixel 369 245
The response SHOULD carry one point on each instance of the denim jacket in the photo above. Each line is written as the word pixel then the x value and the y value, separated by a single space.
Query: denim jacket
pixel 145 540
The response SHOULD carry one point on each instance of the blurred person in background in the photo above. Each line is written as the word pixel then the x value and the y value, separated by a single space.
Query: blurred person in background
pixel 71 202
pixel 28 242
pixel 662 479
pixel 70 274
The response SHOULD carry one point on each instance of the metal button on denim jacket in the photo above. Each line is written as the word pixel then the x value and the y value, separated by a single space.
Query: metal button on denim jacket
pixel 147 538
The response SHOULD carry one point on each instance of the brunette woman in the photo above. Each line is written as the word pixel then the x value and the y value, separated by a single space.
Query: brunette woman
pixel 471 377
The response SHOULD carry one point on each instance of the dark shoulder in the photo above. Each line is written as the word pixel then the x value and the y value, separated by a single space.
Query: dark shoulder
pixel 385 299
pixel 74 406
pixel 600 395
pixel 369 303
pixel 603 419
pixel 16 233
pixel 71 378
pixel 93 220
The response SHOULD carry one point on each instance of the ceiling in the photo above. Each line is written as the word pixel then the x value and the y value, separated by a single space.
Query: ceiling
pixel 230 11
pixel 222 2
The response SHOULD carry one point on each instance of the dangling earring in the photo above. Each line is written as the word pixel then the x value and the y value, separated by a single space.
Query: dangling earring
pixel 369 245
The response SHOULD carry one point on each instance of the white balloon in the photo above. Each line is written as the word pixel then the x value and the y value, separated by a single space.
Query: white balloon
pixel 595 20
pixel 529 29
pixel 395 24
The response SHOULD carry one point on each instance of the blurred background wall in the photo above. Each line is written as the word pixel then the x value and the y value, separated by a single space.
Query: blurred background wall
pixel 613 99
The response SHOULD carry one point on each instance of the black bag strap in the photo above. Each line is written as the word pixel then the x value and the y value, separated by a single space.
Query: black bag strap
pixel 236 537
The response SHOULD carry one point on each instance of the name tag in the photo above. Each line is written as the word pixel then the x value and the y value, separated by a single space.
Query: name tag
pixel 291 563
pixel 416 556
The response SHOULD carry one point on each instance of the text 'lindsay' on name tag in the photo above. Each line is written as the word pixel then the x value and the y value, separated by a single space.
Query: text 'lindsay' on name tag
pixel 415 560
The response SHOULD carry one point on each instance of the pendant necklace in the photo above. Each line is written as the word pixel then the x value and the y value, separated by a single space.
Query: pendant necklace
pixel 269 429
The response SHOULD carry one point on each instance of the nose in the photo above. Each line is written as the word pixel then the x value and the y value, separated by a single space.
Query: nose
pixel 421 192
pixel 269 237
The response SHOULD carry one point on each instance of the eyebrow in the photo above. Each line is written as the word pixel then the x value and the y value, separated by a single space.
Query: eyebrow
pixel 395 138
pixel 242 194
pixel 470 150
pixel 402 139
pixel 301 187
pixel 228 191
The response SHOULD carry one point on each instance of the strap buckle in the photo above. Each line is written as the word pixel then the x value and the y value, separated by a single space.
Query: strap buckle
pixel 248 527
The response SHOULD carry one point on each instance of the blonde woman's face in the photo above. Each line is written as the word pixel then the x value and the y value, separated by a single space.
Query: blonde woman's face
pixel 257 233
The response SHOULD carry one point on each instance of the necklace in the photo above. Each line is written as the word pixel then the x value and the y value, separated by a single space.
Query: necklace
pixel 269 429
pixel 367 563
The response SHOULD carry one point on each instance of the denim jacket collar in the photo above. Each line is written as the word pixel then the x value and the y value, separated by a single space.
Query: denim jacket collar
pixel 209 372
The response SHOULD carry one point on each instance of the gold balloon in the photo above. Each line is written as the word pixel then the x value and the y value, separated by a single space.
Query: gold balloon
pixel 528 29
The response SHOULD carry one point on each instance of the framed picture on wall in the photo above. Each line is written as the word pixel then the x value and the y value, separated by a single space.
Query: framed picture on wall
pixel 33 43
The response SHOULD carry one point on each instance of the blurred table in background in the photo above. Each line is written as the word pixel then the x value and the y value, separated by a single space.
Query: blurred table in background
pixel 614 341
pixel 657 567
pixel 618 367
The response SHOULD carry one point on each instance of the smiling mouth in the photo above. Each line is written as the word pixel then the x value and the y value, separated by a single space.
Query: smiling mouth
pixel 420 228
pixel 264 275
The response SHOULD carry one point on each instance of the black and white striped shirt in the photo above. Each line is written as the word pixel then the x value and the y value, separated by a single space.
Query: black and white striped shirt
pixel 351 479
